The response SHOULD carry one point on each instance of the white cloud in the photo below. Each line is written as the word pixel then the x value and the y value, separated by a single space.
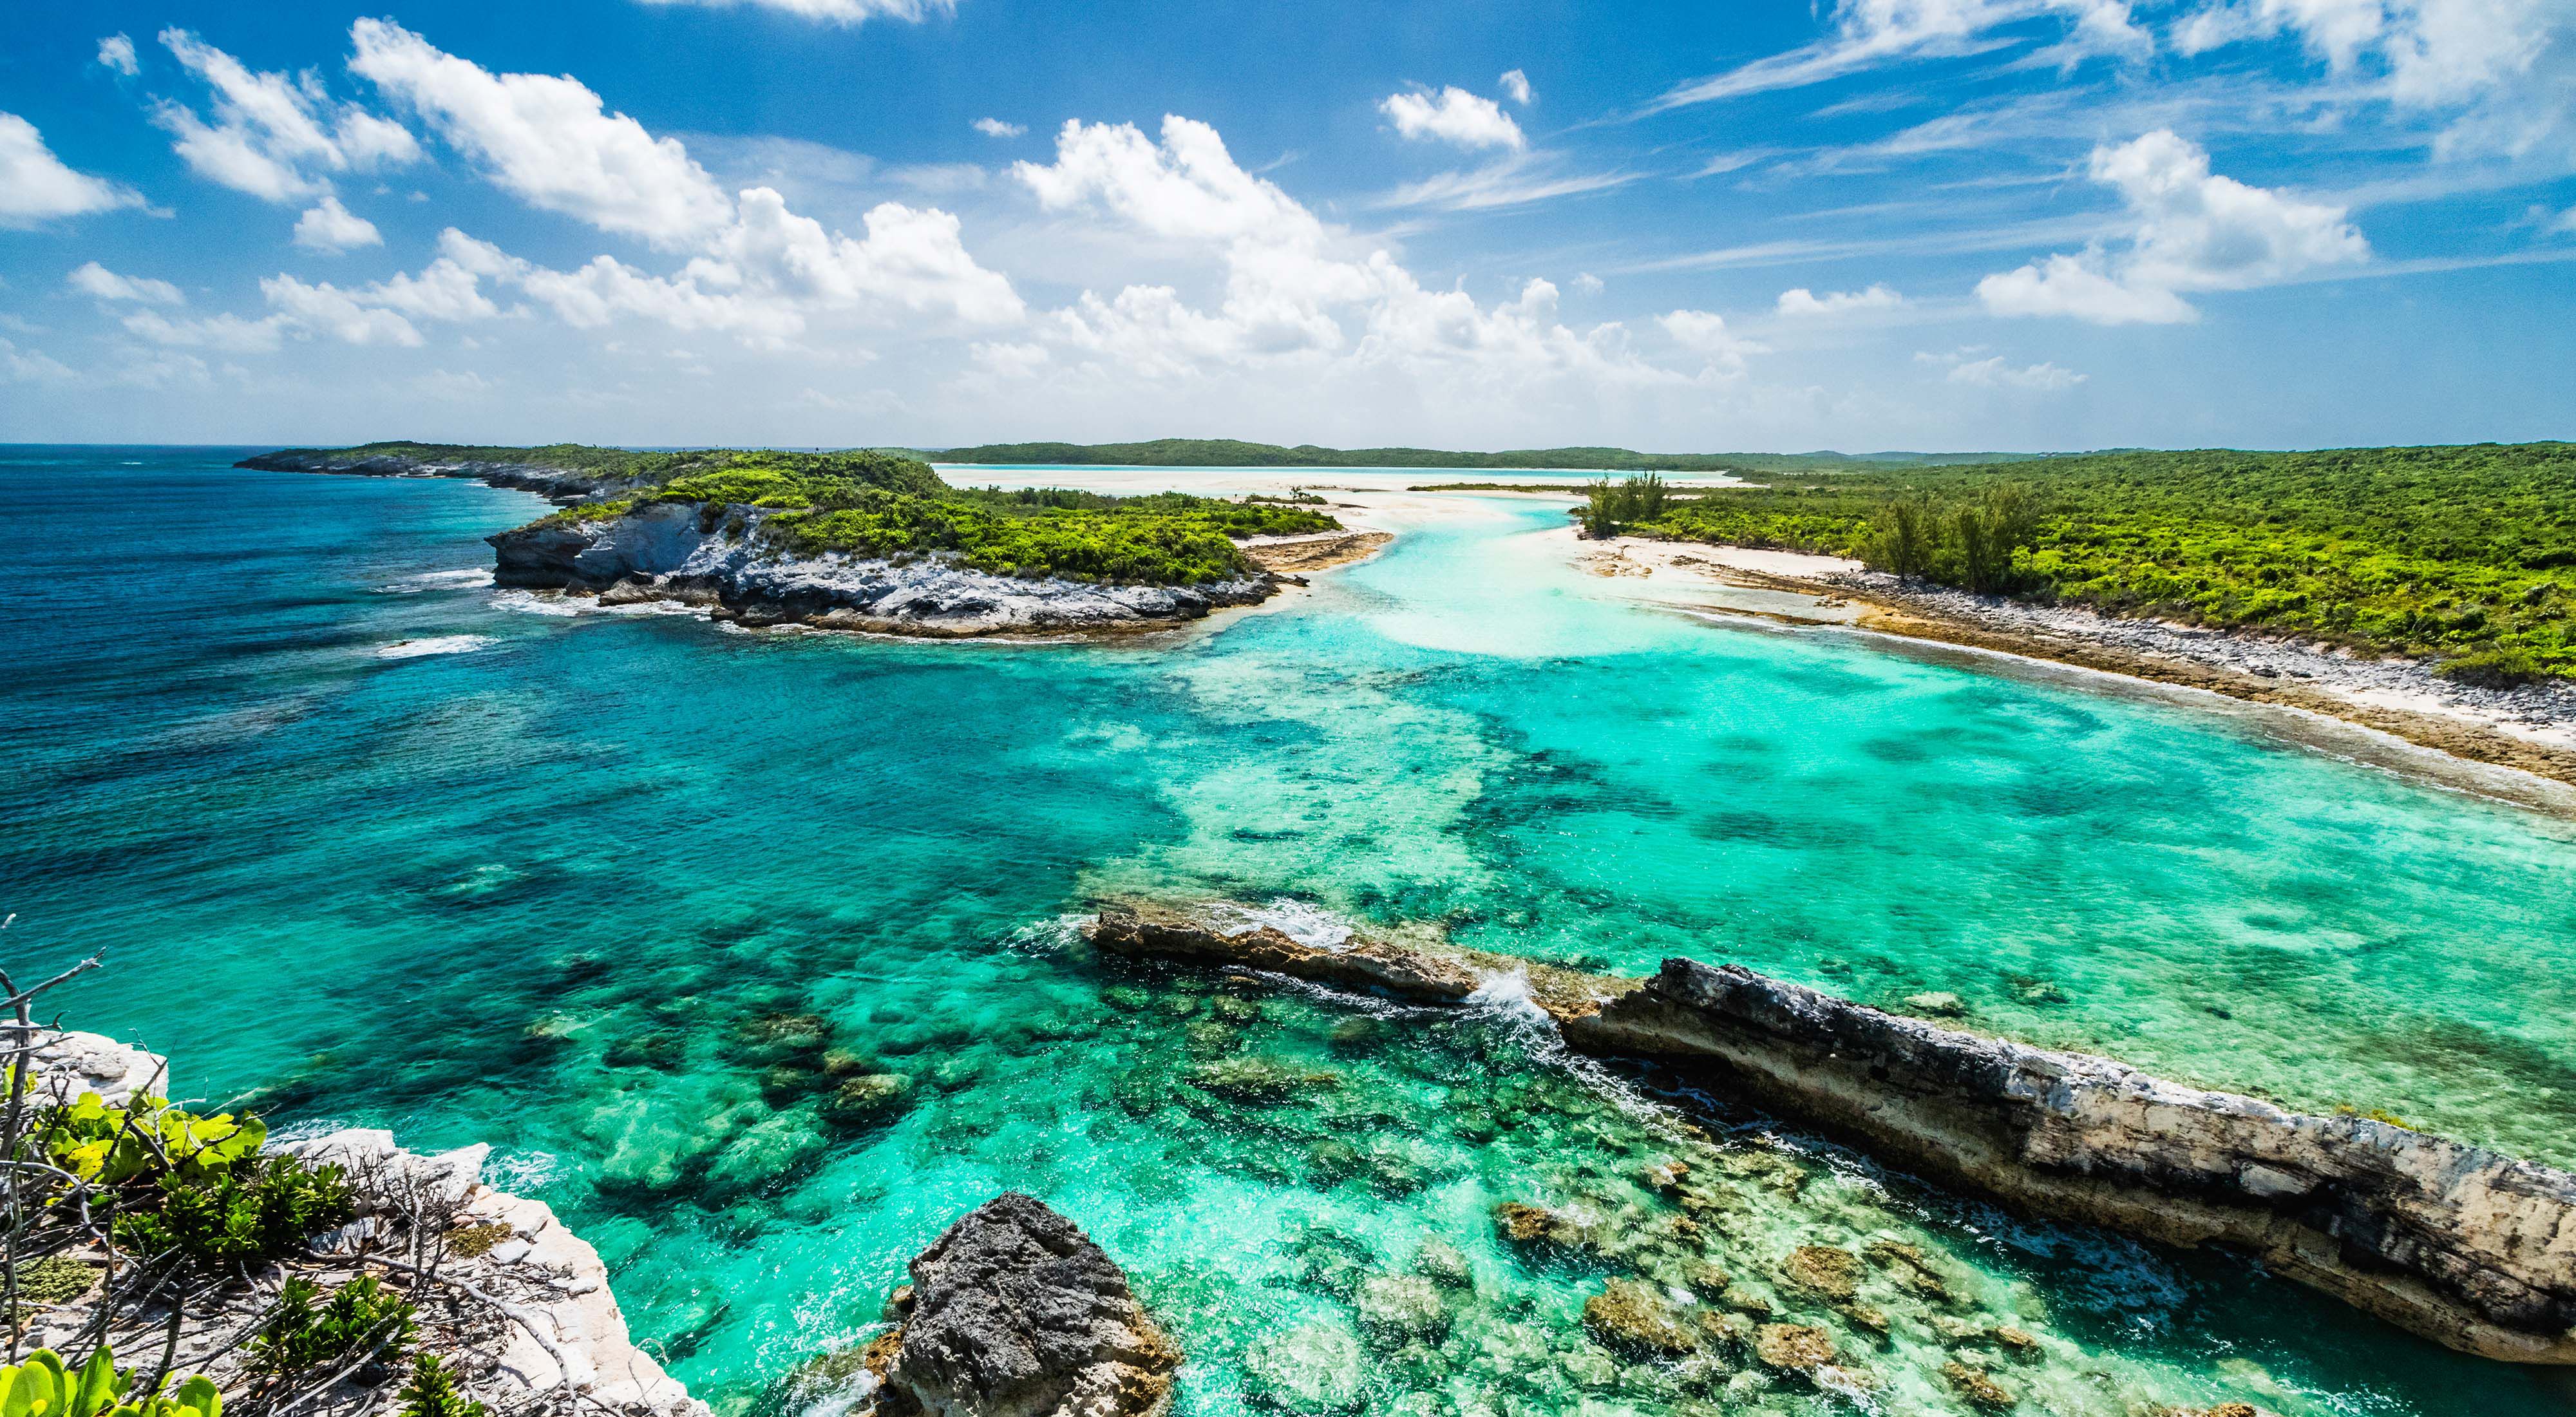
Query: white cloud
pixel 1513 181
pixel 117 52
pixel 1298 295
pixel 1706 334
pixel 272 136
pixel 548 140
pixel 1804 302
pixel 36 187
pixel 231 333
pixel 996 128
pixel 331 227
pixel 1587 282
pixel 1993 373
pixel 839 12
pixel 1517 86
pixel 2431 51
pixel 1011 360
pixel 29 366
pixel 2195 231
pixel 326 309
pixel 1869 33
pixel 1453 115
pixel 93 279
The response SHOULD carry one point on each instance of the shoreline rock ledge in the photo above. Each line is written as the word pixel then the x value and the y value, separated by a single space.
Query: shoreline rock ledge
pixel 2468 1247
pixel 1014 1312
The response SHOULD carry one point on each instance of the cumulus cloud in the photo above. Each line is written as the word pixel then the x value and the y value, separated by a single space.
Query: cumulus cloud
pixel 1869 33
pixel 1453 115
pixel 1516 86
pixel 326 309
pixel 93 279
pixel 1804 302
pixel 116 52
pixel 1993 372
pixel 229 333
pixel 839 12
pixel 2195 231
pixel 36 187
pixel 547 140
pixel 1706 334
pixel 272 136
pixel 1297 293
pixel 330 227
pixel 996 128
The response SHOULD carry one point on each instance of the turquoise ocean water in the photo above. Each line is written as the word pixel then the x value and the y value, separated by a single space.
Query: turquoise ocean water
pixel 627 895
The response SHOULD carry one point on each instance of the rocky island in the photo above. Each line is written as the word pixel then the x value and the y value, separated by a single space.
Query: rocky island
pixel 863 540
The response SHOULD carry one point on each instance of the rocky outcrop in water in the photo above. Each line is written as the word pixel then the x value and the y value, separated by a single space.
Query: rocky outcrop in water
pixel 2465 1246
pixel 712 555
pixel 1016 1313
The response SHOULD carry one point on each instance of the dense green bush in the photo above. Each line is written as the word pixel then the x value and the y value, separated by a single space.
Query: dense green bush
pixel 2463 554
pixel 304 1335
pixel 255 1209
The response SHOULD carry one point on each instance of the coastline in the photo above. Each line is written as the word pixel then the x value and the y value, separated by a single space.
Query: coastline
pixel 2531 732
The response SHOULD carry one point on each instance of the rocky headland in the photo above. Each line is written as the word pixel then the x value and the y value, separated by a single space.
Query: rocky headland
pixel 737 535
pixel 557 483
pixel 2464 1246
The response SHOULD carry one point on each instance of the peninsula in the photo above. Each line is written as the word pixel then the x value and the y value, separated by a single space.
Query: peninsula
pixel 861 540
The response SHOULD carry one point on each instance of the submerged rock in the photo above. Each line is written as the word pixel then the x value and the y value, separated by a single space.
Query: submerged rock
pixel 1823 1271
pixel 1792 1348
pixel 1396 1309
pixel 1312 1369
pixel 1016 1313
pixel 1982 1392
pixel 1260 1080
pixel 1630 1318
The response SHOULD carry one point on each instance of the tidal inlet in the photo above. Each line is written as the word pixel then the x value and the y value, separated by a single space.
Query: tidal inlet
pixel 854 708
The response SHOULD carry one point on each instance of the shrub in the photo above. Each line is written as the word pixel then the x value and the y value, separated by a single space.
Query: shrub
pixel 2494 667
pixel 43 1387
pixel 253 1210
pixel 112 1145
pixel 360 1315
pixel 432 1392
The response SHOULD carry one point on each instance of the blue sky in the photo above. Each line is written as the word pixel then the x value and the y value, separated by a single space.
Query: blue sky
pixel 1874 224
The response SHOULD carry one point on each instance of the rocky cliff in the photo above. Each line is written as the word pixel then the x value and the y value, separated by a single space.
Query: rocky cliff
pixel 1014 1312
pixel 712 555
pixel 2470 1248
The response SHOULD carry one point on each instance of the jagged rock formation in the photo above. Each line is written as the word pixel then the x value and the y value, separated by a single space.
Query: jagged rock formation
pixel 1016 1313
pixel 713 556
pixel 2465 1246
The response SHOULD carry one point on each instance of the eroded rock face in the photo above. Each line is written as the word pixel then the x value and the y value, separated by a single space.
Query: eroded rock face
pixel 1016 1313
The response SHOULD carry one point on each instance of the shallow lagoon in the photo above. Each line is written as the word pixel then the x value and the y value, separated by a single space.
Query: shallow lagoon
pixel 557 885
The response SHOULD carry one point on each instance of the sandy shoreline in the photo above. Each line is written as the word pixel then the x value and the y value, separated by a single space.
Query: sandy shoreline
pixel 2530 731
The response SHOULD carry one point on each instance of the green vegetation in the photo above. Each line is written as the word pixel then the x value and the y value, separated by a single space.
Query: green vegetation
pixel 302 1335
pixel 257 1209
pixel 43 1387
pixel 892 469
pixel 875 504
pixel 1228 452
pixel 433 1392
pixel 2462 554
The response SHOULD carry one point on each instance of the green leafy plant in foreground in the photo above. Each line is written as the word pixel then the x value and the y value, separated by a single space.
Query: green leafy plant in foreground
pixel 144 1138
pixel 43 1387
pixel 432 1392
pixel 304 1335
